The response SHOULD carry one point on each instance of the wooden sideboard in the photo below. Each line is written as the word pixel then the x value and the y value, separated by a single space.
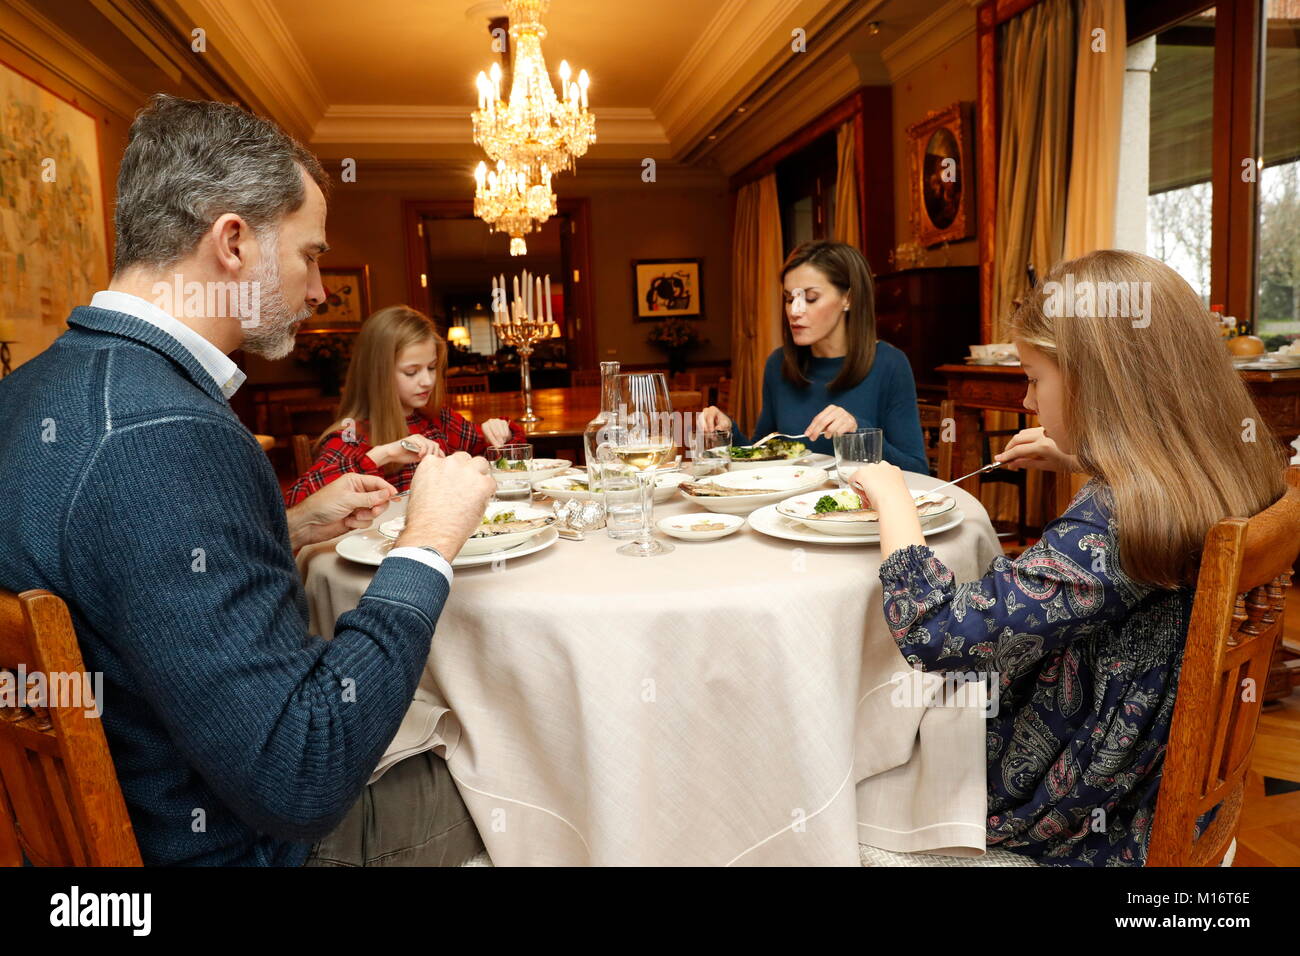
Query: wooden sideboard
pixel 931 314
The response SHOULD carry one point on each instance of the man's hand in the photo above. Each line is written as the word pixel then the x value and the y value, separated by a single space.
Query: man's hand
pixel 351 501
pixel 448 498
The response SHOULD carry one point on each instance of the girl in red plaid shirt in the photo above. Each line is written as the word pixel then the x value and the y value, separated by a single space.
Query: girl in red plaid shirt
pixel 395 392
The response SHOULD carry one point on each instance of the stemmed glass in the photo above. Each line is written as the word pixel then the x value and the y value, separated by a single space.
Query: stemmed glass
pixel 641 438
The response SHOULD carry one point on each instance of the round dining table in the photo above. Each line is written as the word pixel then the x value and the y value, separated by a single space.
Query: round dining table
pixel 737 701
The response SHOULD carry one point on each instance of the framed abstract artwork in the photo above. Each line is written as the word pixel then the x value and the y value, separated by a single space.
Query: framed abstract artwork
pixel 662 288
pixel 347 299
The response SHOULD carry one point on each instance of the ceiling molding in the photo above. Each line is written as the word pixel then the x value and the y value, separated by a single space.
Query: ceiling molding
pixel 950 23
pixel 828 24
pixel 34 34
pixel 784 117
pixel 371 124
pixel 257 52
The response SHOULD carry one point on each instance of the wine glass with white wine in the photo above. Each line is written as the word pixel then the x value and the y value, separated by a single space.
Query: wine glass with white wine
pixel 642 439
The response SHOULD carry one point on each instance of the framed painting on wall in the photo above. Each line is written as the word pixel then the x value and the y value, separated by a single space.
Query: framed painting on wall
pixel 53 238
pixel 347 299
pixel 943 175
pixel 662 288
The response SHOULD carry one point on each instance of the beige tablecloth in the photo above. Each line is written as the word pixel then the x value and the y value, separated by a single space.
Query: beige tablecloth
pixel 735 702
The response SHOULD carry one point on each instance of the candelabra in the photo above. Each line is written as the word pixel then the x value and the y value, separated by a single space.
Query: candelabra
pixel 525 323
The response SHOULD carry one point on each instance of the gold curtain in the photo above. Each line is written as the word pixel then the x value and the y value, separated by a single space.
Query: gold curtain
pixel 1098 123
pixel 1036 82
pixel 756 257
pixel 846 189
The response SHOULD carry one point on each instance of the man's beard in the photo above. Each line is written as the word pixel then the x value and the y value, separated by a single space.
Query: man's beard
pixel 272 334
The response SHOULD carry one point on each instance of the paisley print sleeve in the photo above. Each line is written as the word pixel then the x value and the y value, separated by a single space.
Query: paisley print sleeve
pixel 1062 588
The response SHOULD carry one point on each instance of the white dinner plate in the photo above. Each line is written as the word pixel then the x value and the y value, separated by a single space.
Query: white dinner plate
pixel 680 526
pixel 370 547
pixel 742 465
pixel 800 507
pixel 665 486
pixel 770 522
pixel 785 480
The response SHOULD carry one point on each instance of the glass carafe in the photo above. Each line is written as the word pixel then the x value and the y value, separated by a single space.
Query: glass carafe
pixel 591 437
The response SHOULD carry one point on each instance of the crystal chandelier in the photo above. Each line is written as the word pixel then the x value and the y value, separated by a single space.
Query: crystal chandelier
pixel 506 200
pixel 534 134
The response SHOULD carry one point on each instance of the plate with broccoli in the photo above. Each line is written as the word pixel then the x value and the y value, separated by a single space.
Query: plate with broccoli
pixel 843 513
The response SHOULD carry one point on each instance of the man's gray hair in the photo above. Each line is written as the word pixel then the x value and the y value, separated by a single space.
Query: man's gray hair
pixel 188 162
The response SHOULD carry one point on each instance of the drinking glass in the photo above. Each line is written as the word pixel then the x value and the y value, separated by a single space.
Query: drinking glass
pixel 642 439
pixel 854 449
pixel 710 452
pixel 512 469
pixel 622 493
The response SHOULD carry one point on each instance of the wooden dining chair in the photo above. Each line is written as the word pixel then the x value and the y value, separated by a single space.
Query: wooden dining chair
pixel 466 384
pixel 60 804
pixel 1236 622
pixel 937 451
pixel 302 454
pixel 683 381
pixel 722 395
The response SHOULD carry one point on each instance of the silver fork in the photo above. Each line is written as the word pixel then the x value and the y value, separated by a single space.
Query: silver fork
pixel 767 438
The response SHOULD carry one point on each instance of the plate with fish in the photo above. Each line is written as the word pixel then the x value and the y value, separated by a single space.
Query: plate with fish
pixel 505 525
pixel 842 513
pixel 740 492
pixel 767 520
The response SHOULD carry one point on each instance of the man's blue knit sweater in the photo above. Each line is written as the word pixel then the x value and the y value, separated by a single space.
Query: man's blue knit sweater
pixel 133 492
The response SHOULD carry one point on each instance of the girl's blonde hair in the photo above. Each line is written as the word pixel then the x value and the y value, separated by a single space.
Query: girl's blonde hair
pixel 1153 406
pixel 369 398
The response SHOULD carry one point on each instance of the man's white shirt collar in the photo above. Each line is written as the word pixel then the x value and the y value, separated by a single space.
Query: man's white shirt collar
pixel 215 362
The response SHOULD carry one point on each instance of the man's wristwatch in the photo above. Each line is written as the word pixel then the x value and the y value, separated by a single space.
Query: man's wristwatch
pixel 435 551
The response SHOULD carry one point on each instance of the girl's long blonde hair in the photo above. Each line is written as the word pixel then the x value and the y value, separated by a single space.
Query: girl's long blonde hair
pixel 369 400
pixel 1155 411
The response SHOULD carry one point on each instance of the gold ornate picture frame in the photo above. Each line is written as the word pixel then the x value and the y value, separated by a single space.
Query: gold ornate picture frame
pixel 943 175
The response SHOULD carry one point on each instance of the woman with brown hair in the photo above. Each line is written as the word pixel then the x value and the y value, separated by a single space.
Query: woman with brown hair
pixel 1084 632
pixel 391 414
pixel 831 374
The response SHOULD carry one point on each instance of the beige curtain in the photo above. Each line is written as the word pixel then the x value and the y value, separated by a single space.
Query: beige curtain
pixel 756 258
pixel 847 228
pixel 1035 88
pixel 1098 122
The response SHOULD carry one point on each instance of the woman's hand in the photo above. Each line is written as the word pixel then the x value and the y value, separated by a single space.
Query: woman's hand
pixel 1031 448
pixel 394 453
pixel 831 421
pixel 882 487
pixel 496 431
pixel 712 419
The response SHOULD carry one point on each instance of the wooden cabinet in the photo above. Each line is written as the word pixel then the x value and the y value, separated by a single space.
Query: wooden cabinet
pixel 933 315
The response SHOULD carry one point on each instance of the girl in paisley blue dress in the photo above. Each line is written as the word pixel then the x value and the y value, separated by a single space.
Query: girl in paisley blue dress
pixel 1084 632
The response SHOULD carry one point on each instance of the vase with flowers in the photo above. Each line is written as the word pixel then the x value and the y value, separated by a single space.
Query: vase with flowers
pixel 328 353
pixel 677 337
